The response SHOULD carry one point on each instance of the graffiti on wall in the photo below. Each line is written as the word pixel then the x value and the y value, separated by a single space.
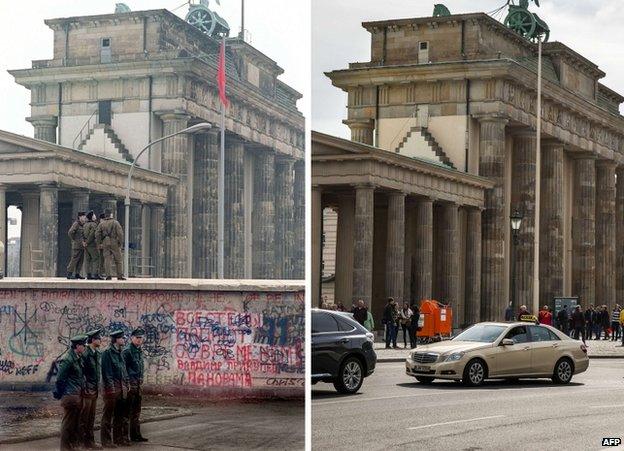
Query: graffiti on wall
pixel 201 339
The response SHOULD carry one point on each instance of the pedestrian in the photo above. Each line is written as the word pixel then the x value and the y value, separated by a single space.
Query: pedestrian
pixel 91 251
pixel 414 325
pixel 622 325
pixel 523 312
pixel 78 245
pixel 578 320
pixel 544 316
pixel 605 321
pixel 360 312
pixel 597 322
pixel 340 307
pixel 562 320
pixel 370 321
pixel 615 323
pixel 115 386
pixel 405 320
pixel 133 357
pixel 509 313
pixel 69 386
pixel 389 319
pixel 92 368
pixel 589 324
pixel 109 235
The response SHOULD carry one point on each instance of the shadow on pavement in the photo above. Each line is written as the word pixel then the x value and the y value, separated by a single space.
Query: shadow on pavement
pixel 491 384
pixel 328 394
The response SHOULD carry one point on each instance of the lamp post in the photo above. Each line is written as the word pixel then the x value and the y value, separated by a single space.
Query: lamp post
pixel 516 222
pixel 189 130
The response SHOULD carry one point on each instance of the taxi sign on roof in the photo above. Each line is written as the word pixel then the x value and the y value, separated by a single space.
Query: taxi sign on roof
pixel 528 318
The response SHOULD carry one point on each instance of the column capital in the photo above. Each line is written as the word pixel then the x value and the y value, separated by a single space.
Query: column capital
pixel 551 142
pixel 524 132
pixel 284 159
pixel 50 121
pixel 173 115
pixel 358 186
pixel 606 163
pixel 365 123
pixel 397 194
pixel 491 117
pixel 582 156
pixel 47 185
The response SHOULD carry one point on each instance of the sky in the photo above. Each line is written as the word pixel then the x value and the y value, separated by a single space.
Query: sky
pixel 590 27
pixel 278 28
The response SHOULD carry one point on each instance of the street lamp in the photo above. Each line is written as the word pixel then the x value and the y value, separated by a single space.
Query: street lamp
pixel 189 130
pixel 516 222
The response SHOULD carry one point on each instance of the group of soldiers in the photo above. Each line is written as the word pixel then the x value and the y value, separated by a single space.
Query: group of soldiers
pixel 118 373
pixel 97 242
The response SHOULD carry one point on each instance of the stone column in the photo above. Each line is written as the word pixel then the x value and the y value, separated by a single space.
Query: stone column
pixel 48 228
pixel 492 166
pixel 619 236
pixel 234 264
pixel 317 245
pixel 157 236
pixel 136 216
pixel 343 291
pixel 29 236
pixel 583 232
pixel 449 255
pixel 3 229
pixel 523 200
pixel 264 215
pixel 423 254
pixel 362 130
pixel 605 234
pixel 472 308
pixel 395 248
pixel 298 252
pixel 175 160
pixel 45 127
pixel 80 202
pixel 284 219
pixel 551 223
pixel 363 248
pixel 206 205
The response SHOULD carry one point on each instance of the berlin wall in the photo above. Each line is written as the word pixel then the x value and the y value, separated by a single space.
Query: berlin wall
pixel 213 339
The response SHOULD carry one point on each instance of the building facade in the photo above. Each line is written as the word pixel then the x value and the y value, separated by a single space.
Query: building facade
pixel 117 82
pixel 459 92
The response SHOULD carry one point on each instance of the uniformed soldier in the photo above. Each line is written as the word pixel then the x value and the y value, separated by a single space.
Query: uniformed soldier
pixel 91 250
pixel 69 386
pixel 100 248
pixel 110 235
pixel 115 384
pixel 92 365
pixel 133 356
pixel 76 235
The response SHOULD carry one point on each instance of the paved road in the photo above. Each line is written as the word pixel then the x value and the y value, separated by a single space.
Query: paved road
pixel 393 410
pixel 261 425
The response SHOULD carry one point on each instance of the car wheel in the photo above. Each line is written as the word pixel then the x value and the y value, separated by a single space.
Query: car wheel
pixel 563 371
pixel 474 373
pixel 424 380
pixel 350 376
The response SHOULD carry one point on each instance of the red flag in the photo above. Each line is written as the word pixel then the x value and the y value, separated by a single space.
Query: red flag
pixel 221 76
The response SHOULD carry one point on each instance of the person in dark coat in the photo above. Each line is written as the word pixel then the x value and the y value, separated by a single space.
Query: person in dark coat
pixel 69 385
pixel 562 320
pixel 589 322
pixel 605 321
pixel 509 313
pixel 578 319
pixel 360 312
pixel 390 320
pixel 597 322
pixel 133 356
pixel 92 365
pixel 78 246
pixel 115 385
pixel 414 325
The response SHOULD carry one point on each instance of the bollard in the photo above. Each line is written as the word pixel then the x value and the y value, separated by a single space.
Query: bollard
pixel 2 260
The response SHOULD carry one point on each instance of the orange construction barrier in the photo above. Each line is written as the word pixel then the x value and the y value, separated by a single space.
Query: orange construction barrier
pixel 436 319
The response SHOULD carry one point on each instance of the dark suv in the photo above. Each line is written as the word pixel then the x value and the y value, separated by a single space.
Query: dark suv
pixel 342 350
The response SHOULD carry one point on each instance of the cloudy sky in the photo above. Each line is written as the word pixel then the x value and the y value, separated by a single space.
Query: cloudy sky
pixel 591 27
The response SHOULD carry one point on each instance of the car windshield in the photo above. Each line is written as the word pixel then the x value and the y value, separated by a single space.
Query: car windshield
pixel 484 333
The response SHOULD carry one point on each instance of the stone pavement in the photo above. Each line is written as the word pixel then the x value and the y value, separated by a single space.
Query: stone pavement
pixel 596 349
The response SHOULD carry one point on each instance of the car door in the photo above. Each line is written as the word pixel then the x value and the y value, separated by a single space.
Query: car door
pixel 326 344
pixel 544 351
pixel 515 360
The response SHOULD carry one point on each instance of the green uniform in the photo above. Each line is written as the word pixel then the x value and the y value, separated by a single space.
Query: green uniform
pixel 76 235
pixel 91 251
pixel 109 235
pixel 133 356
pixel 92 365
pixel 69 386
pixel 115 387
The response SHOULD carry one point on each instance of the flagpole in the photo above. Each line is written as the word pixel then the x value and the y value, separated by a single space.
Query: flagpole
pixel 221 194
pixel 242 33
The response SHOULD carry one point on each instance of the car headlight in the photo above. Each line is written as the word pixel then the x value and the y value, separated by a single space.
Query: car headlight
pixel 454 357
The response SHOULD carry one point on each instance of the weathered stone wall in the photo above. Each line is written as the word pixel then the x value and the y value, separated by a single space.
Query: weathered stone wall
pixel 211 340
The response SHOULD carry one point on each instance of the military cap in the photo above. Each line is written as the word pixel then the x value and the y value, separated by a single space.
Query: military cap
pixel 138 332
pixel 102 215
pixel 108 212
pixel 91 215
pixel 81 213
pixel 94 334
pixel 78 339
pixel 117 333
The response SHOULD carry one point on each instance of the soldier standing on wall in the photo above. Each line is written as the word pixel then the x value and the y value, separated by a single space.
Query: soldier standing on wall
pixel 91 251
pixel 115 382
pixel 133 356
pixel 92 364
pixel 76 235
pixel 110 235
pixel 100 249
pixel 69 386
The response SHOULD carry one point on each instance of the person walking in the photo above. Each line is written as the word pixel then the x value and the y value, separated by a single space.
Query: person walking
pixel 589 322
pixel 615 323
pixel 605 321
pixel 110 236
pixel 133 357
pixel 389 319
pixel 360 312
pixel 92 366
pixel 115 385
pixel 562 320
pixel 78 245
pixel 578 320
pixel 405 320
pixel 414 325
pixel 544 316
pixel 91 251
pixel 68 388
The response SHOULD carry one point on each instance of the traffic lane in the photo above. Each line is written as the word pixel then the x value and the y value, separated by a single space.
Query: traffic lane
pixel 394 410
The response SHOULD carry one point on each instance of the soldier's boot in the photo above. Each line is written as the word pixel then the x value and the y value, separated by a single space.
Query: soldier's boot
pixel 98 277
pixel 121 278
pixel 89 276
pixel 70 275
pixel 78 276
pixel 109 278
